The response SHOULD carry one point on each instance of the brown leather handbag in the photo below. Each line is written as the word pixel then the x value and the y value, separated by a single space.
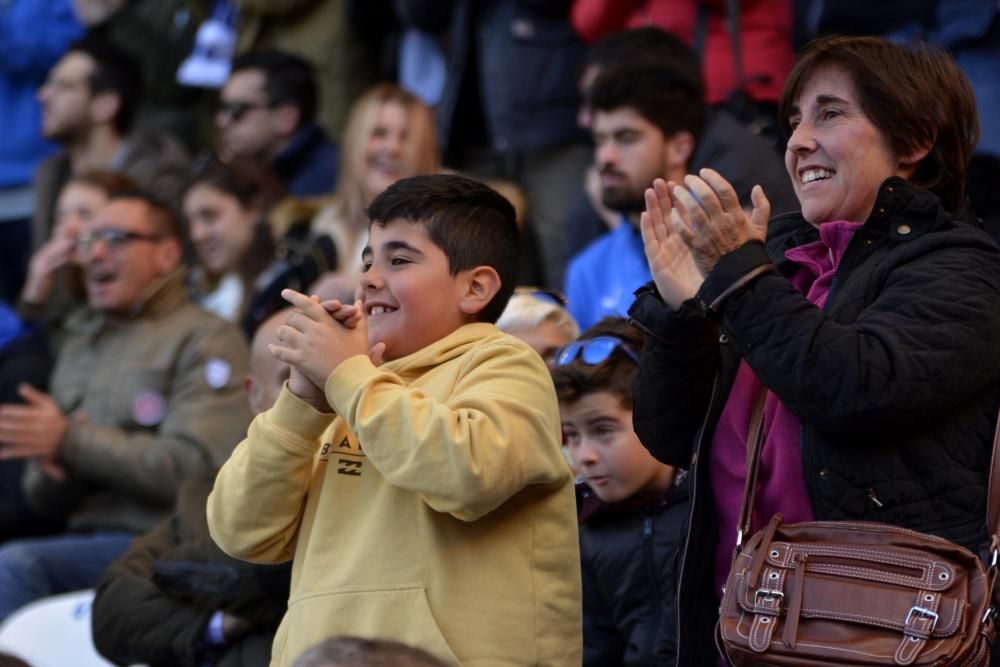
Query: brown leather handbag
pixel 855 592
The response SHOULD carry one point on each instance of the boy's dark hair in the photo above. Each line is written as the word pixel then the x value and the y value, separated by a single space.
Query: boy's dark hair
pixel 915 94
pixel 664 96
pixel 614 375
pixel 647 45
pixel 288 79
pixel 473 224
pixel 358 652
pixel 115 72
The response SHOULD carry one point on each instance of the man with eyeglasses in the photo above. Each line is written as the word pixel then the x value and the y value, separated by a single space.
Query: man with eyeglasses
pixel 147 392
pixel 267 112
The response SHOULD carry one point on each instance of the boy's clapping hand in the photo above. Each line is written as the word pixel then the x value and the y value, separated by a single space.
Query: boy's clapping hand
pixel 317 338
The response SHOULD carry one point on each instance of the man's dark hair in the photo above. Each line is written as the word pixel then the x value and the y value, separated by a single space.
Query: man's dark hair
pixel 161 218
pixel 647 45
pixel 614 375
pixel 359 652
pixel 114 72
pixel 664 96
pixel 288 79
pixel 473 224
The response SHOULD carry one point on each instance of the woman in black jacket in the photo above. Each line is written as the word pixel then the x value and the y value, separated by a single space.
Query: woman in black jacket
pixel 871 320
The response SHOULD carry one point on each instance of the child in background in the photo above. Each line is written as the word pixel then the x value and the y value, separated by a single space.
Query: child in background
pixel 539 318
pixel 423 499
pixel 633 509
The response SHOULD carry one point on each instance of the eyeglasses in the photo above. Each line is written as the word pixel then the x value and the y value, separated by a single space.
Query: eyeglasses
pixel 234 111
pixel 112 238
pixel 594 351
pixel 548 295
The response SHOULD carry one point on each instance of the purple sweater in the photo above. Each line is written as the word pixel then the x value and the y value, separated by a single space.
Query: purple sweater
pixel 781 485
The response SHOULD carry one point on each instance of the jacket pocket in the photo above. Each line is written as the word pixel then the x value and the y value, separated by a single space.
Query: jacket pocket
pixel 401 613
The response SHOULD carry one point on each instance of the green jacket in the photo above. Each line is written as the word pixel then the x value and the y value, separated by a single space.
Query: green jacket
pixel 152 400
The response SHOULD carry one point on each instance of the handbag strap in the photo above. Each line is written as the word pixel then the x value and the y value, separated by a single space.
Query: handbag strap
pixel 755 445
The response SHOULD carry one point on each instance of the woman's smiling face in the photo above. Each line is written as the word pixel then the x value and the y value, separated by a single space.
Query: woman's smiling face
pixel 836 157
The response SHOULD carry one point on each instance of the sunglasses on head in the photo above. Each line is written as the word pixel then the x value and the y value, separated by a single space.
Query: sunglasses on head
pixel 594 351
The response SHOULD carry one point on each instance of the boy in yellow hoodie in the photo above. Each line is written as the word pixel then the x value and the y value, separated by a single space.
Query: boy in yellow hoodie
pixel 411 467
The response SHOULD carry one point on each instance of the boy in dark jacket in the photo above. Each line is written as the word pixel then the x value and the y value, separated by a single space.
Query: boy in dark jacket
pixel 633 509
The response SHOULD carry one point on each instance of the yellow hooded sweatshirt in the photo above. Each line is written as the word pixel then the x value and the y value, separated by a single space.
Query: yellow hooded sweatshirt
pixel 435 508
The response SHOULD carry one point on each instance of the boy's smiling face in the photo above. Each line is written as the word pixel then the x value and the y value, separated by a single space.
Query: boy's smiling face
pixel 606 452
pixel 411 298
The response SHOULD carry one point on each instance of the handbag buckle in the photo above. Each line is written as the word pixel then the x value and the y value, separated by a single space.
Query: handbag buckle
pixel 769 595
pixel 924 612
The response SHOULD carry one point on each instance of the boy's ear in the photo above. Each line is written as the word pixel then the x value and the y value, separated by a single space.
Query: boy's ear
pixel 480 286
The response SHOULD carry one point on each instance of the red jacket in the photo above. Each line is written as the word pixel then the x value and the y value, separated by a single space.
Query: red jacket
pixel 765 26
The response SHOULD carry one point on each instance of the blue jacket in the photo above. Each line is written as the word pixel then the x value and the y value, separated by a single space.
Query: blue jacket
pixel 34 35
pixel 308 165
pixel 603 278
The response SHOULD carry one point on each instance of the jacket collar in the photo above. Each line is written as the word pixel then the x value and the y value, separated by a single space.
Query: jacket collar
pixel 589 505
pixel 897 199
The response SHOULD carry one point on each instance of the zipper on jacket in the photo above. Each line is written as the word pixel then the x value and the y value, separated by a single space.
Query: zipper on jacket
pixel 691 513
pixel 647 542
pixel 874 498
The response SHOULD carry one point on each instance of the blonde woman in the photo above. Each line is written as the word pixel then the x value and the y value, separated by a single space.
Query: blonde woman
pixel 390 134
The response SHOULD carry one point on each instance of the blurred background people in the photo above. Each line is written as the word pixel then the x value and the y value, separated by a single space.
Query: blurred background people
pixel 243 262
pixel 745 47
pixel 508 102
pixel 34 33
pixel 88 103
pixel 539 318
pixel 646 121
pixel 390 135
pixel 145 394
pixel 267 112
pixel 174 599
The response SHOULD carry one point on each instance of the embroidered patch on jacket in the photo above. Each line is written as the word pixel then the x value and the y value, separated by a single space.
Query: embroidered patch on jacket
pixel 217 372
pixel 148 408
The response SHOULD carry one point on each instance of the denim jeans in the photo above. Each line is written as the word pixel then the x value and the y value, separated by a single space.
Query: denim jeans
pixel 36 568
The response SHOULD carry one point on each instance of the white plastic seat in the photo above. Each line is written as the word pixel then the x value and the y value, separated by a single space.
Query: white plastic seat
pixel 53 632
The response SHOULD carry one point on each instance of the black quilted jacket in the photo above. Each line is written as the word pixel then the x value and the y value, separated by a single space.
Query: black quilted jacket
pixel 896 380
pixel 630 556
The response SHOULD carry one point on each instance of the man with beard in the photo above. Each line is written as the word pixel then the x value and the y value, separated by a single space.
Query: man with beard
pixel 88 105
pixel 646 120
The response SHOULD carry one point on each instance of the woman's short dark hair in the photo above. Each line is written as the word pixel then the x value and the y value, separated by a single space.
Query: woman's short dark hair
pixel 914 94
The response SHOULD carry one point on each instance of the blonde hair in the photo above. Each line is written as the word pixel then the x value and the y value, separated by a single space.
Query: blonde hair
pixel 345 219
pixel 526 311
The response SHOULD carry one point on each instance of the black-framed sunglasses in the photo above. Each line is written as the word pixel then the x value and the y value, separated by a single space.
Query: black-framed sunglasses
pixel 548 295
pixel 112 238
pixel 234 111
pixel 594 351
